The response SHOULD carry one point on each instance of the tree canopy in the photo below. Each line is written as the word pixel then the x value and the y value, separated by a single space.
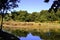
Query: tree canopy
pixel 6 5
pixel 24 16
pixel 55 6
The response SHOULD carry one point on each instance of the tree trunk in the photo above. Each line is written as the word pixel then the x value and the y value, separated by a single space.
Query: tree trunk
pixel 2 15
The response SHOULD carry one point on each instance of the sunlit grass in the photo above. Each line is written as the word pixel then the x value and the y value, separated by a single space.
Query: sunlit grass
pixel 29 26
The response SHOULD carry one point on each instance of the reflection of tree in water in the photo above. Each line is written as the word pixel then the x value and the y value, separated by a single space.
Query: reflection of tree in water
pixel 6 5
pixel 55 5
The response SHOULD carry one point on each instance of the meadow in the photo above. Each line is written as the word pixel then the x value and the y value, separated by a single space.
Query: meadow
pixel 28 26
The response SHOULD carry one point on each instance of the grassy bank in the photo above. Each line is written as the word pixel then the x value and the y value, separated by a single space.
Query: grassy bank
pixel 46 30
pixel 28 26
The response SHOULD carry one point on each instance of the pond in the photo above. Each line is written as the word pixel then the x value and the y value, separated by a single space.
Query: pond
pixel 30 37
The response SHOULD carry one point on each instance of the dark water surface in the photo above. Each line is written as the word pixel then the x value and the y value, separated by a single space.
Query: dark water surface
pixel 30 37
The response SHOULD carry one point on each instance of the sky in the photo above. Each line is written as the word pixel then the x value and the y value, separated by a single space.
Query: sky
pixel 33 5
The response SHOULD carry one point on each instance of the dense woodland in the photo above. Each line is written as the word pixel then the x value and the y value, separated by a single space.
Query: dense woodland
pixel 24 16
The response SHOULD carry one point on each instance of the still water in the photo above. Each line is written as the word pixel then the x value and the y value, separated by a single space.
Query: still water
pixel 30 37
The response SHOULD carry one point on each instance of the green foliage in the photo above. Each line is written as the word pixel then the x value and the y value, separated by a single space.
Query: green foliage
pixel 24 16
pixel 7 17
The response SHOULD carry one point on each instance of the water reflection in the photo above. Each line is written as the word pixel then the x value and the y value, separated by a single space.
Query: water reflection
pixel 30 37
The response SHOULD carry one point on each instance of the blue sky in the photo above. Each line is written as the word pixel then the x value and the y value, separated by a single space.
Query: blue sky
pixel 34 5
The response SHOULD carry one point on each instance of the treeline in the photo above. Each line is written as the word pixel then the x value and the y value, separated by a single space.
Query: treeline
pixel 24 16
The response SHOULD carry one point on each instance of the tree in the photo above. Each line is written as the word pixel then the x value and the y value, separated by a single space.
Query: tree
pixel 7 17
pixel 6 5
pixel 14 15
pixel 28 18
pixel 22 15
pixel 46 1
pixel 34 16
pixel 43 16
pixel 55 5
